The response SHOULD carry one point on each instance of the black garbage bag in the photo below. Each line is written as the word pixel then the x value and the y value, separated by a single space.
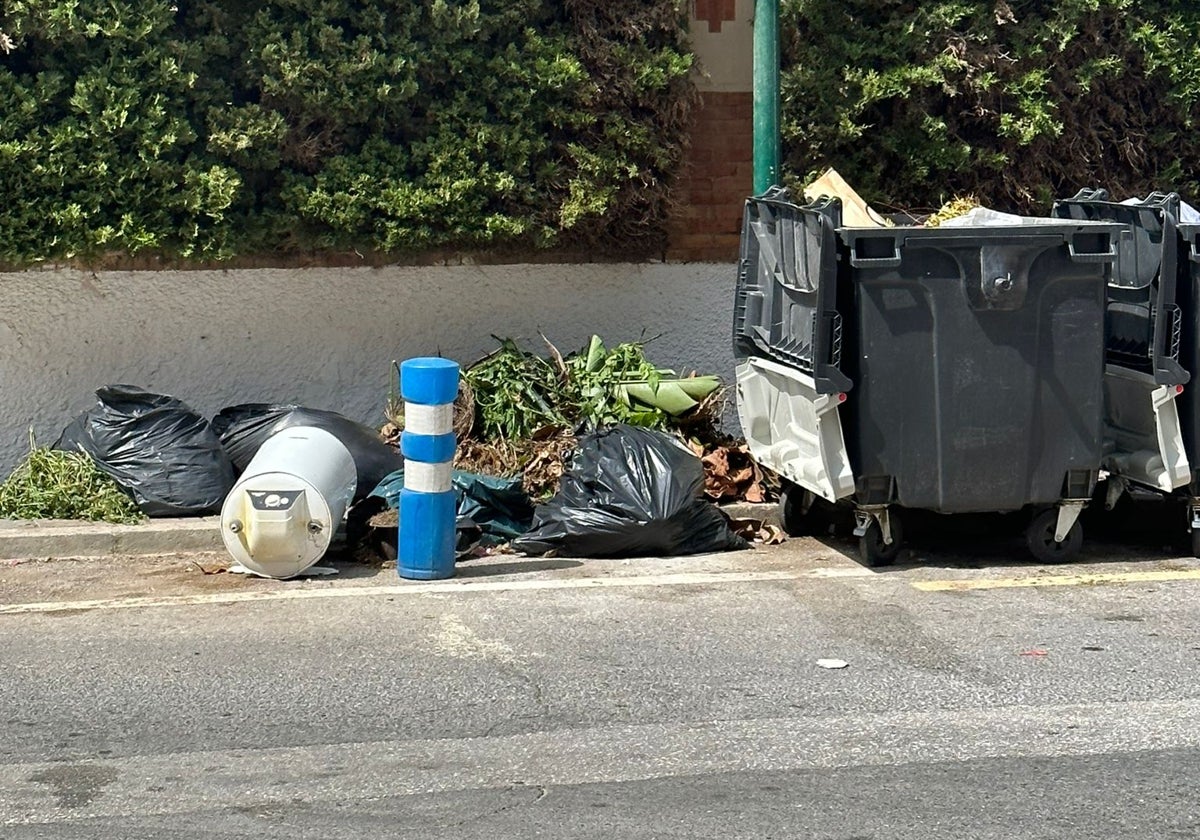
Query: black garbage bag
pixel 630 492
pixel 245 428
pixel 154 446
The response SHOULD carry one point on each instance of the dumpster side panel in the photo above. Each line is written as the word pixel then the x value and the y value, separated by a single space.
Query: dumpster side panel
pixel 1143 440
pixel 1142 319
pixel 971 399
pixel 792 429
pixel 787 274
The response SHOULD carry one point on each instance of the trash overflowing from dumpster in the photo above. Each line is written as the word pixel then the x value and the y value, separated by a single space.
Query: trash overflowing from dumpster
pixel 526 408
pixel 952 369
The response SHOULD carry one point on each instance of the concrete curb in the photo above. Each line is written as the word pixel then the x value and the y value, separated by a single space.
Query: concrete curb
pixel 48 539
pixel 42 539
pixel 767 512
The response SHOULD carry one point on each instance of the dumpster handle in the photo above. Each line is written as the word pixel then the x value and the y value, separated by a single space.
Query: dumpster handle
pixel 876 262
pixel 1092 256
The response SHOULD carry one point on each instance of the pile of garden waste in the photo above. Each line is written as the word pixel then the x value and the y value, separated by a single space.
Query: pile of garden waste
pixel 519 412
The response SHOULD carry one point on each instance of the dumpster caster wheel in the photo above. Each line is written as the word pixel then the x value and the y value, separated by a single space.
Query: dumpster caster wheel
pixel 1039 536
pixel 797 511
pixel 1195 535
pixel 872 549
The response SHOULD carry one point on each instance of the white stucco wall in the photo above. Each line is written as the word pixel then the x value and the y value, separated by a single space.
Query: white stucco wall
pixel 725 58
pixel 323 337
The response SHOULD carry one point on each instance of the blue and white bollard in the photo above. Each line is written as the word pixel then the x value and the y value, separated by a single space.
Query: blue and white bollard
pixel 427 505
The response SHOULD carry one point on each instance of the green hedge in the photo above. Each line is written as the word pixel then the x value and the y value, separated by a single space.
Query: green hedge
pixel 208 128
pixel 1013 102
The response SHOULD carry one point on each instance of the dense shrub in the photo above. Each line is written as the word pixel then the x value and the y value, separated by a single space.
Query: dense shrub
pixel 215 127
pixel 99 148
pixel 1015 102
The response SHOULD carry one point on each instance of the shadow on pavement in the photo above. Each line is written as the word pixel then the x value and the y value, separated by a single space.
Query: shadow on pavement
pixel 351 568
pixel 1145 529
pixel 476 568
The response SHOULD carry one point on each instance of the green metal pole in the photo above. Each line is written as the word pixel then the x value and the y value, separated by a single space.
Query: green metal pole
pixel 766 95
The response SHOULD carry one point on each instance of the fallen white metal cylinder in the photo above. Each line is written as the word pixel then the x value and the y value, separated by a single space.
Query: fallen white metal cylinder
pixel 280 517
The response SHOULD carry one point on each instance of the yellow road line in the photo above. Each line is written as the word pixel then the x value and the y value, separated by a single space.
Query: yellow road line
pixel 1098 579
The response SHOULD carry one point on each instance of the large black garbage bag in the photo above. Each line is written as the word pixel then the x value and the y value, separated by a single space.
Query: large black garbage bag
pixel 160 451
pixel 244 428
pixel 630 492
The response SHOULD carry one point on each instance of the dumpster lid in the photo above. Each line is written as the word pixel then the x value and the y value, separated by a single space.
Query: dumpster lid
pixel 882 248
pixel 1041 224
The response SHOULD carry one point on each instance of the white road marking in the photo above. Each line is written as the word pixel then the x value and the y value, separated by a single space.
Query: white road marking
pixel 445 587
pixel 303 591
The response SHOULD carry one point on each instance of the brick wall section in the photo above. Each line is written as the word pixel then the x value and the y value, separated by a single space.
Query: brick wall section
pixel 715 181
pixel 714 12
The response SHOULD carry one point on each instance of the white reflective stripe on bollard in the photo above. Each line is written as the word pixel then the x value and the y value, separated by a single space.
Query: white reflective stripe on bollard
pixel 428 419
pixel 427 478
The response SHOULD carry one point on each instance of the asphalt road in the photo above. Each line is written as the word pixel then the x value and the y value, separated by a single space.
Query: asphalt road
pixel 641 699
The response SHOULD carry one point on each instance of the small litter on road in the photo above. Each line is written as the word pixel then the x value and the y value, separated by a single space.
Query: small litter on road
pixel 833 664
pixel 1034 652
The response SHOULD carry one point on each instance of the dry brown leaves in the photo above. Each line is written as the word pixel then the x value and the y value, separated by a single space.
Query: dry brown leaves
pixel 546 466
pixel 390 433
pixel 730 474
pixel 703 423
pixel 498 458
pixel 757 531
pixel 386 518
pixel 539 462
